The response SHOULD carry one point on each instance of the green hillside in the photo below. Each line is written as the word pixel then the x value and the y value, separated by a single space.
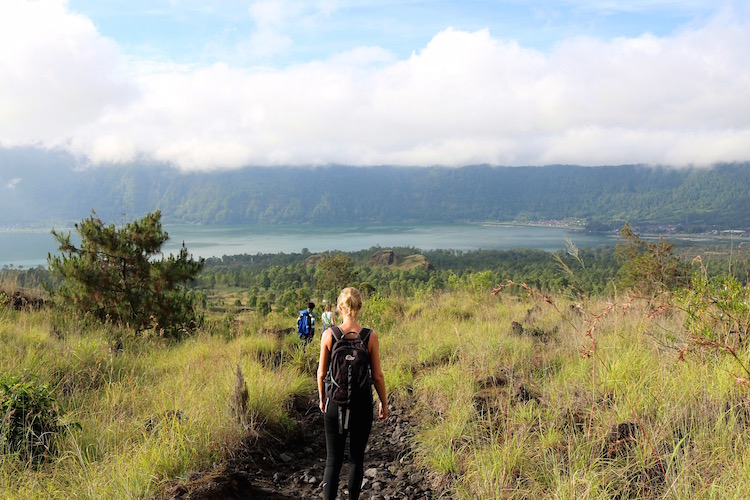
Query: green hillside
pixel 53 189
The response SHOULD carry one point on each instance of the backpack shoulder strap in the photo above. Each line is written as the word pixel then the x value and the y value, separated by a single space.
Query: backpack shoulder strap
pixel 364 334
pixel 336 333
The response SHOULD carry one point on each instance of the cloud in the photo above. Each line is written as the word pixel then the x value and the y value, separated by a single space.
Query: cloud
pixel 464 98
pixel 274 21
pixel 56 73
pixel 13 183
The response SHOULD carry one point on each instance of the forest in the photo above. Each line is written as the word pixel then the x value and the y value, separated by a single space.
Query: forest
pixel 283 282
pixel 54 190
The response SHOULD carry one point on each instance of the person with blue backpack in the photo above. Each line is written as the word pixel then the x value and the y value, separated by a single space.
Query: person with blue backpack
pixel 306 323
pixel 349 366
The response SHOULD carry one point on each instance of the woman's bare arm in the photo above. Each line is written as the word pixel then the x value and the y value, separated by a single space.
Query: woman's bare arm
pixel 378 378
pixel 325 358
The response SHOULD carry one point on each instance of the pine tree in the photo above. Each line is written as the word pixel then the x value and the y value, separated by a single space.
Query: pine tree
pixel 115 276
pixel 334 274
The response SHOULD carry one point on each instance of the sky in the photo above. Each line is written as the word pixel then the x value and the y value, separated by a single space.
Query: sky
pixel 205 85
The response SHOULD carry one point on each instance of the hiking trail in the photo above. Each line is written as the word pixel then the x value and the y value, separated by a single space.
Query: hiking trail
pixel 291 467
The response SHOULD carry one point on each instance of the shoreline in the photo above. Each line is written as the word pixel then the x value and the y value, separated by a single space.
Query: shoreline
pixel 557 224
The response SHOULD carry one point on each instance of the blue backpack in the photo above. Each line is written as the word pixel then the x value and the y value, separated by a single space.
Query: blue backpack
pixel 303 323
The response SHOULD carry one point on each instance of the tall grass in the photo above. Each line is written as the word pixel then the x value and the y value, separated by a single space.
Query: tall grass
pixel 514 397
pixel 148 414
pixel 604 404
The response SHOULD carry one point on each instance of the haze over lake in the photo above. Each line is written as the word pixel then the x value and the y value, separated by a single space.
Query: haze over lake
pixel 29 248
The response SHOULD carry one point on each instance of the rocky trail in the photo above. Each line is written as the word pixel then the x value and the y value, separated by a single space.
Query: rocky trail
pixel 291 467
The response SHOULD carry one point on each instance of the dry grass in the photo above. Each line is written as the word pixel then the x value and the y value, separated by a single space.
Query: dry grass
pixel 148 414
pixel 516 397
pixel 597 400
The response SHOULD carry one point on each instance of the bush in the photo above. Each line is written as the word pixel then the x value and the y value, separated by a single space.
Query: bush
pixel 263 306
pixel 718 309
pixel 648 268
pixel 29 420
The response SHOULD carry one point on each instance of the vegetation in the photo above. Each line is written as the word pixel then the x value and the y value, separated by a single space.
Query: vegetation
pixel 603 198
pixel 648 268
pixel 605 400
pixel 29 420
pixel 133 417
pixel 333 274
pixel 561 385
pixel 113 276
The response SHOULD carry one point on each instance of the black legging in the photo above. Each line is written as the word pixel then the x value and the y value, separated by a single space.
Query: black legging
pixel 360 424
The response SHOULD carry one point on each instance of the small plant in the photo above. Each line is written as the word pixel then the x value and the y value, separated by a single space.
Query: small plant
pixel 717 309
pixel 29 420
pixel 382 312
pixel 304 358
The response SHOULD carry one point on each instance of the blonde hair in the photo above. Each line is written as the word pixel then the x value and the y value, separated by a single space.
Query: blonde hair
pixel 349 302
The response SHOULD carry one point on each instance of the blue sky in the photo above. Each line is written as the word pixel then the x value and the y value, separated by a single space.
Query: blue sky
pixel 224 84
pixel 205 32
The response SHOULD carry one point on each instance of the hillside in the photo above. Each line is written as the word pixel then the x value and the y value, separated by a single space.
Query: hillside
pixel 44 188
pixel 505 396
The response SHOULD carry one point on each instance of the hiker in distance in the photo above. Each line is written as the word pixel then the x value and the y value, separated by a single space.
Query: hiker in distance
pixel 306 323
pixel 349 365
pixel 328 318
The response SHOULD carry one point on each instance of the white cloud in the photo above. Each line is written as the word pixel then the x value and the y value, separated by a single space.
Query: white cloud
pixel 272 13
pixel 13 183
pixel 467 97
pixel 56 72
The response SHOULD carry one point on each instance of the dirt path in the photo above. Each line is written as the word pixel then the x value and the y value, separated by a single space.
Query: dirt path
pixel 275 468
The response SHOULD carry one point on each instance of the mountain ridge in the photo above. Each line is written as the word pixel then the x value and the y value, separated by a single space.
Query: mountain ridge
pixel 52 187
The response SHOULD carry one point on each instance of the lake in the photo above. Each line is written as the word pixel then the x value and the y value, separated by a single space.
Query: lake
pixel 29 248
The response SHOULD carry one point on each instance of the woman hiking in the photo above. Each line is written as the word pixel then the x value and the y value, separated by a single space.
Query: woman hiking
pixel 328 319
pixel 348 410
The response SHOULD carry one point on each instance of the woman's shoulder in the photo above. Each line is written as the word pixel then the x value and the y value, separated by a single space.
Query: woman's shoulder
pixel 326 337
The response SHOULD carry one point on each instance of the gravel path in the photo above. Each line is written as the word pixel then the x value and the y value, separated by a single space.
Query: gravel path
pixel 272 467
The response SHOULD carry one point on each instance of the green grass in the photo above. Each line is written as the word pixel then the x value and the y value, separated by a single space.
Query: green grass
pixel 129 444
pixel 565 387
pixel 689 414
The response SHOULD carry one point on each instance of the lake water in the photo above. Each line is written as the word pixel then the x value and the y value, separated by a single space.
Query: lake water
pixel 29 248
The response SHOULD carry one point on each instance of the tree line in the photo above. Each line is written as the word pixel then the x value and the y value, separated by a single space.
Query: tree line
pixel 114 276
pixel 688 200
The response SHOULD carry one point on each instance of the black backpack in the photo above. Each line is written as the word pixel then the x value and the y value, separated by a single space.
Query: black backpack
pixel 348 377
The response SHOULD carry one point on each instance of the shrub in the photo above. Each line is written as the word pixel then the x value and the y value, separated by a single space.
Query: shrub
pixel 717 309
pixel 29 420
pixel 382 312
pixel 648 268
